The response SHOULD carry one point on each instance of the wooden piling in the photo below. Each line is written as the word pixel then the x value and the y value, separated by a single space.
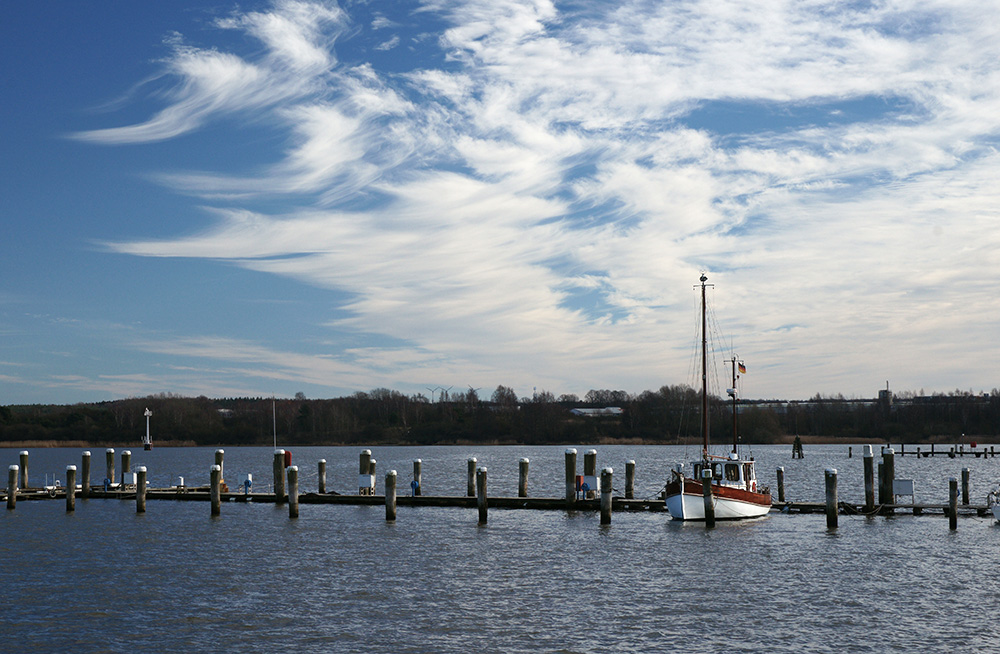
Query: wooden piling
pixel 279 476
pixel 23 483
pixel 390 496
pixel 481 501
pixel 140 489
pixel 570 476
pixel 418 469
pixel 881 483
pixel 965 486
pixel 321 472
pixel 293 491
pixel 590 474
pixel 831 498
pixel 70 489
pixel 606 495
pixel 781 483
pixel 365 481
pixel 889 474
pixel 953 503
pixel 85 474
pixel 126 465
pixel 869 474
pixel 216 495
pixel 522 478
pixel 706 490
pixel 219 458
pixel 630 479
pixel 109 461
pixel 12 486
pixel 470 478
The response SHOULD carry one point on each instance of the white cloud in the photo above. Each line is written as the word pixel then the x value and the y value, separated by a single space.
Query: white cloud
pixel 534 212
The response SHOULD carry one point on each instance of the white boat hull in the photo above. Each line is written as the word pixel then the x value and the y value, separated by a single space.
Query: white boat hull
pixel 692 507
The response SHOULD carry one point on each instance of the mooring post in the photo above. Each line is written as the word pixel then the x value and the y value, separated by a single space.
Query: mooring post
pixel 570 476
pixel 85 474
pixel 965 486
pixel 706 492
pixel 418 470
pixel 321 484
pixel 831 498
pixel 953 503
pixel 850 451
pixel 606 495
pixel 881 483
pixel 70 488
pixel 889 474
pixel 126 464
pixel 140 489
pixel 590 474
pixel 390 496
pixel 23 483
pixel 470 478
pixel 371 475
pixel 293 491
pixel 364 472
pixel 781 483
pixel 216 480
pixel 522 478
pixel 630 479
pixel 869 471
pixel 279 476
pixel 481 501
pixel 109 461
pixel 12 486
pixel 219 458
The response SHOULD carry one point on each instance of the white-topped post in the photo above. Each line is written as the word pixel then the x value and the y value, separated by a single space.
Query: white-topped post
pixel 522 478
pixel 390 496
pixel 590 474
pixel 321 470
pixel 570 476
pixel 109 461
pixel 630 479
pixel 140 489
pixel 868 460
pixel 85 474
pixel 470 485
pixel 706 493
pixel 417 475
pixel 606 495
pixel 23 483
pixel 831 498
pixel 293 491
pixel 12 486
pixel 70 488
pixel 126 464
pixel 279 476
pixel 481 494
pixel 216 495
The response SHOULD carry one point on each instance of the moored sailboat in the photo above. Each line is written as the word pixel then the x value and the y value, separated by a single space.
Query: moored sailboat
pixel 735 492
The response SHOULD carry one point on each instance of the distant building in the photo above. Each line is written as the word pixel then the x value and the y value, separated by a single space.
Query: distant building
pixel 606 411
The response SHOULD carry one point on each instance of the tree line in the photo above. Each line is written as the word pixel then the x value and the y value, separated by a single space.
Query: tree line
pixel 668 415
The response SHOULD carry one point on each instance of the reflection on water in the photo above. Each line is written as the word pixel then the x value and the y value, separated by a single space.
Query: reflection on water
pixel 341 579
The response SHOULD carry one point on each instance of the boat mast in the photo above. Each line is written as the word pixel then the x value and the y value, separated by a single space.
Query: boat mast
pixel 704 374
pixel 732 393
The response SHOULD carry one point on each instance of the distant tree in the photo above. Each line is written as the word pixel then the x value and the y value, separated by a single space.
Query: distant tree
pixel 505 397
pixel 569 397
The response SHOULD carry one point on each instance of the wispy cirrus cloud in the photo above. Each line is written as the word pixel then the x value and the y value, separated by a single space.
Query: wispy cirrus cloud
pixel 535 202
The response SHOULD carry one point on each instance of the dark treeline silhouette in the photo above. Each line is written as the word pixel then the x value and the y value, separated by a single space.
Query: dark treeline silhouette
pixel 668 415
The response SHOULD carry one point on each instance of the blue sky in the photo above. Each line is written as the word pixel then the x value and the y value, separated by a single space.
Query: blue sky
pixel 273 197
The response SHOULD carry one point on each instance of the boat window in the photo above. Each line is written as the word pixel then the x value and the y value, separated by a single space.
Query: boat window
pixel 717 470
pixel 748 471
pixel 732 472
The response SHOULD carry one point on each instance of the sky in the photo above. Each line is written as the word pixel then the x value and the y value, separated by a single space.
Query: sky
pixel 271 198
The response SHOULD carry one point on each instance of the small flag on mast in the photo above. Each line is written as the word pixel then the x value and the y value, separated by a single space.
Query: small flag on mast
pixel 743 368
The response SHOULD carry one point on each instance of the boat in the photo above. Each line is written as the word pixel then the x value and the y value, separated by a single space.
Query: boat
pixel 735 493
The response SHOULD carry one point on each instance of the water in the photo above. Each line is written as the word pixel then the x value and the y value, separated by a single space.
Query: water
pixel 340 579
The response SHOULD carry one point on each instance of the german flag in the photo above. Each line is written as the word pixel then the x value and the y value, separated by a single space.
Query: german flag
pixel 743 368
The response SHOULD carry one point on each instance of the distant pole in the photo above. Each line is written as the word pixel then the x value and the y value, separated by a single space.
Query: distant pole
pixel 481 494
pixel 470 478
pixel 23 484
pixel 85 473
pixel 953 503
pixel 12 486
pixel 630 479
pixel 417 474
pixel 274 423
pixel 216 480
pixel 220 456
pixel 70 488
pixel 279 476
pixel 706 492
pixel 889 471
pixel 109 460
pixel 570 476
pixel 293 491
pixel 322 476
pixel 126 465
pixel 140 489
pixel 606 496
pixel 522 478
pixel 781 483
pixel 831 498
pixel 869 471
pixel 965 486
pixel 390 496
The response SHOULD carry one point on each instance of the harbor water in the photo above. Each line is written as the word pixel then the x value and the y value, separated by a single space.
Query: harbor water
pixel 342 579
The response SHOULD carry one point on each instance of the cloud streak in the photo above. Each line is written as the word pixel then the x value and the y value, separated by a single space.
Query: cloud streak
pixel 532 207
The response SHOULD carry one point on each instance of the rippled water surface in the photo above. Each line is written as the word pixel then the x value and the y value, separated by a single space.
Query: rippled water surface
pixel 341 579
